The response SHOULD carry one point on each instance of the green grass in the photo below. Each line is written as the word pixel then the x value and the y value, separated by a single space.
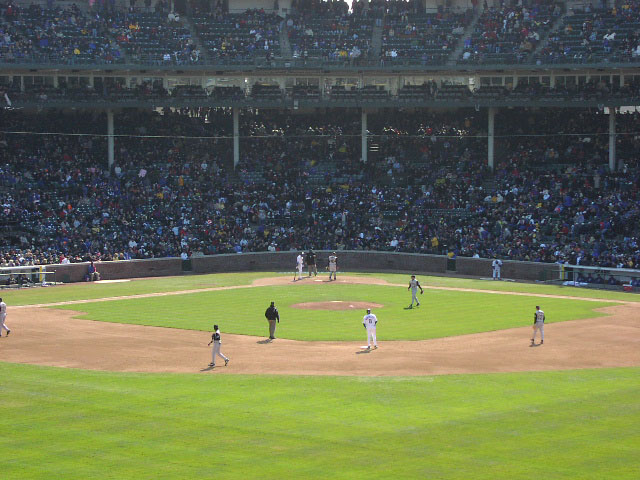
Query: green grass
pixel 442 313
pixel 537 288
pixel 73 424
pixel 85 291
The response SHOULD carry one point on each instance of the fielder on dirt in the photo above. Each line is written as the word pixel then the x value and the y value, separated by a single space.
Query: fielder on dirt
pixel 538 325
pixel 370 321
pixel 215 351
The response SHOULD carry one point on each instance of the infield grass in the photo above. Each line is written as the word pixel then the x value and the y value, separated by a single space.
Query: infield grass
pixel 73 424
pixel 442 313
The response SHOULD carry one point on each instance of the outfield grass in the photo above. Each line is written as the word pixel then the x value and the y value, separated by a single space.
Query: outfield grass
pixel 73 424
pixel 442 313
pixel 90 290
pixel 86 291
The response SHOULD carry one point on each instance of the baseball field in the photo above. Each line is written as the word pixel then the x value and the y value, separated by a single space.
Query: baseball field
pixel 110 380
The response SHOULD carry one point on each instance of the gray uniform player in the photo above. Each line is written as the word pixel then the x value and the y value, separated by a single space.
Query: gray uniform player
pixel 538 325
pixel 3 316
pixel 370 321
pixel 333 265
pixel 414 285
pixel 215 351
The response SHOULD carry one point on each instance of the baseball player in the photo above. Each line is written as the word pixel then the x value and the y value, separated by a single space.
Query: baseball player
pixel 370 321
pixel 311 263
pixel 3 316
pixel 333 265
pixel 538 324
pixel 496 265
pixel 215 339
pixel 299 265
pixel 414 285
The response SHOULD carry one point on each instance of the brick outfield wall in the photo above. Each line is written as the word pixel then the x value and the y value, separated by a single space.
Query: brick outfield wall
pixel 349 261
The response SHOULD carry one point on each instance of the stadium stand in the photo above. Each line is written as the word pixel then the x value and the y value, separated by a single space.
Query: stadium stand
pixel 562 186
pixel 429 38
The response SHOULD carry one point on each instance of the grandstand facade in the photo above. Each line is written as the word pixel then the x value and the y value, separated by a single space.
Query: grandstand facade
pixel 152 129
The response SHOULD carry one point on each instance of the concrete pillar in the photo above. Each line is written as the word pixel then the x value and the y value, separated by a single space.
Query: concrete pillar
pixel 612 139
pixel 490 136
pixel 236 137
pixel 363 135
pixel 110 139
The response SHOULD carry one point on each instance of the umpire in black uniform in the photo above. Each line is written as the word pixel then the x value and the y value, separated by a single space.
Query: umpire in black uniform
pixel 272 315
pixel 311 262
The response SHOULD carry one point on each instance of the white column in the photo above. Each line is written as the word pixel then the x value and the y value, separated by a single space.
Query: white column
pixel 364 136
pixel 490 136
pixel 236 137
pixel 612 139
pixel 110 138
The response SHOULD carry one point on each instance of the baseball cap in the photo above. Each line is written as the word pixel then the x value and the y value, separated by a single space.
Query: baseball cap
pixel 368 310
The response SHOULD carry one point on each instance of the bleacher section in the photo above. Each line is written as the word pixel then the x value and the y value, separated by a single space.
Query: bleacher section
pixel 596 35
pixel 330 37
pixel 430 38
pixel 540 33
pixel 507 35
pixel 150 37
pixel 238 37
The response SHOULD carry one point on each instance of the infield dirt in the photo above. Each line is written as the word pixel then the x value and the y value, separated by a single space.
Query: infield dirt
pixel 46 336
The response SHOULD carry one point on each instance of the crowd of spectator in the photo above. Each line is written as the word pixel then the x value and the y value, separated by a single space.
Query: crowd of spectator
pixel 152 32
pixel 253 33
pixel 593 34
pixel 509 32
pixel 329 30
pixel 430 37
pixel 173 190
pixel 55 34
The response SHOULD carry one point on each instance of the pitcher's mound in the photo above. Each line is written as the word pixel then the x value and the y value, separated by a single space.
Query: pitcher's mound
pixel 336 305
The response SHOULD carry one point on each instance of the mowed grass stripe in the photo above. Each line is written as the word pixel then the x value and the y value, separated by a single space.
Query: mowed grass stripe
pixel 79 424
pixel 442 313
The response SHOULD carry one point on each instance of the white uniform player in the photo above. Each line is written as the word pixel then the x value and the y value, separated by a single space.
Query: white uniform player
pixel 538 325
pixel 215 351
pixel 299 265
pixel 333 265
pixel 370 321
pixel 414 285
pixel 3 316
pixel 496 265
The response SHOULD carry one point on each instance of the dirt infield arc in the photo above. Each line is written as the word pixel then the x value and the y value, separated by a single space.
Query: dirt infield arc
pixel 53 337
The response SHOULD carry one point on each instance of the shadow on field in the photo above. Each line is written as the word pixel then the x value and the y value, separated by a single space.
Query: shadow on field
pixel 265 341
